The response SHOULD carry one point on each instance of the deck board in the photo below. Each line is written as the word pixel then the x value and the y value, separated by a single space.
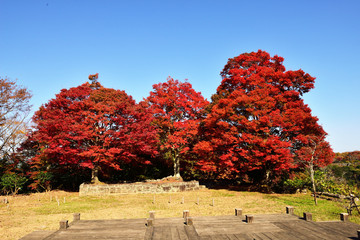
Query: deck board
pixel 264 227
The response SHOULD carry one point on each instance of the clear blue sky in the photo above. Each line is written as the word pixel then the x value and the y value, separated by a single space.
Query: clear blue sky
pixel 54 44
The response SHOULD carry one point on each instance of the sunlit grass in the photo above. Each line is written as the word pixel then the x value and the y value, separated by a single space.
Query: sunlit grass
pixel 325 210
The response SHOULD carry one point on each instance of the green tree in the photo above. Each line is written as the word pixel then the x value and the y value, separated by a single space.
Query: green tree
pixel 12 183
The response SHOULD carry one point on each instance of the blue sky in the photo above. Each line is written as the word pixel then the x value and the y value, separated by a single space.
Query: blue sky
pixel 55 44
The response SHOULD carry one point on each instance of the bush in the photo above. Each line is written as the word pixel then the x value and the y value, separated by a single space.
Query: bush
pixel 325 182
pixel 42 181
pixel 12 183
pixel 299 182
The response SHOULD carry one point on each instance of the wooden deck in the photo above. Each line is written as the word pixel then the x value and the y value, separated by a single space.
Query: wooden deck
pixel 266 226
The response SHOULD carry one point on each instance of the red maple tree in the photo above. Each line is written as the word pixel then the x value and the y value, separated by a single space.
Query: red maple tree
pixel 255 118
pixel 90 126
pixel 178 110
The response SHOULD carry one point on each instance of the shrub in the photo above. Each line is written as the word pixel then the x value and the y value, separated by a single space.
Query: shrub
pixel 12 183
pixel 299 182
pixel 42 181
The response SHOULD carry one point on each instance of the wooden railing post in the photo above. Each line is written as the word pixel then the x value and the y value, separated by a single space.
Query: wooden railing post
pixel 189 221
pixel 76 217
pixel 186 213
pixel 238 212
pixel 290 210
pixel 344 217
pixel 149 222
pixel 152 214
pixel 64 224
pixel 307 216
pixel 249 218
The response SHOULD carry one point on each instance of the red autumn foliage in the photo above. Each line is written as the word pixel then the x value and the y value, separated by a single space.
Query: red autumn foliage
pixel 88 127
pixel 94 77
pixel 315 151
pixel 347 157
pixel 178 110
pixel 257 120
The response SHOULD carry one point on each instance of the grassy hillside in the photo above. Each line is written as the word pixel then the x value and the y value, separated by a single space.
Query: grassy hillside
pixel 41 211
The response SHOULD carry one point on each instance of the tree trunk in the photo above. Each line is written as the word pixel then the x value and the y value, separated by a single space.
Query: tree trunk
pixel 95 174
pixel 313 181
pixel 176 166
pixel 267 180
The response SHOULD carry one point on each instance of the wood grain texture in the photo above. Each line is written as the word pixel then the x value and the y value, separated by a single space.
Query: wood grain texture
pixel 264 227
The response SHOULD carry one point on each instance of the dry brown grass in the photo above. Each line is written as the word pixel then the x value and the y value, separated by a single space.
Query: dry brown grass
pixel 27 213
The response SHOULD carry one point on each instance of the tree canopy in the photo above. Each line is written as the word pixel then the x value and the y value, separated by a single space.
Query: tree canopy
pixel 92 127
pixel 178 110
pixel 257 120
pixel 256 127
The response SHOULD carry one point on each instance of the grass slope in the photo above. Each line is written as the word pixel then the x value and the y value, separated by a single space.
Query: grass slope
pixel 41 211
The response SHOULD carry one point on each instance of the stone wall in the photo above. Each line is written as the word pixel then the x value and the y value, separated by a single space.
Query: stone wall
pixel 117 189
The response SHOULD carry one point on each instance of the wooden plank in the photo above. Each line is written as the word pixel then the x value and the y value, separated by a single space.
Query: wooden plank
pixel 284 235
pixel 307 230
pixel 232 237
pixel 37 235
pixel 347 229
pixel 167 232
pixel 292 229
pixel 149 233
pixel 256 236
pixel 261 236
pixel 313 230
pixel 206 237
pixel 244 236
pixel 228 228
pixel 174 234
pixel 182 233
pixel 156 233
pixel 272 226
pixel 191 233
pixel 270 235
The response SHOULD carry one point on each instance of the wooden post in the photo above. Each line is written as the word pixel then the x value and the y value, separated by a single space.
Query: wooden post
pixel 64 224
pixel 344 217
pixel 183 200
pixel 290 210
pixel 197 201
pixel 238 212
pixel 186 213
pixel 307 216
pixel 170 199
pixel 76 217
pixel 213 202
pixel 150 222
pixel 249 218
pixel 189 221
pixel 154 200
pixel 152 214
